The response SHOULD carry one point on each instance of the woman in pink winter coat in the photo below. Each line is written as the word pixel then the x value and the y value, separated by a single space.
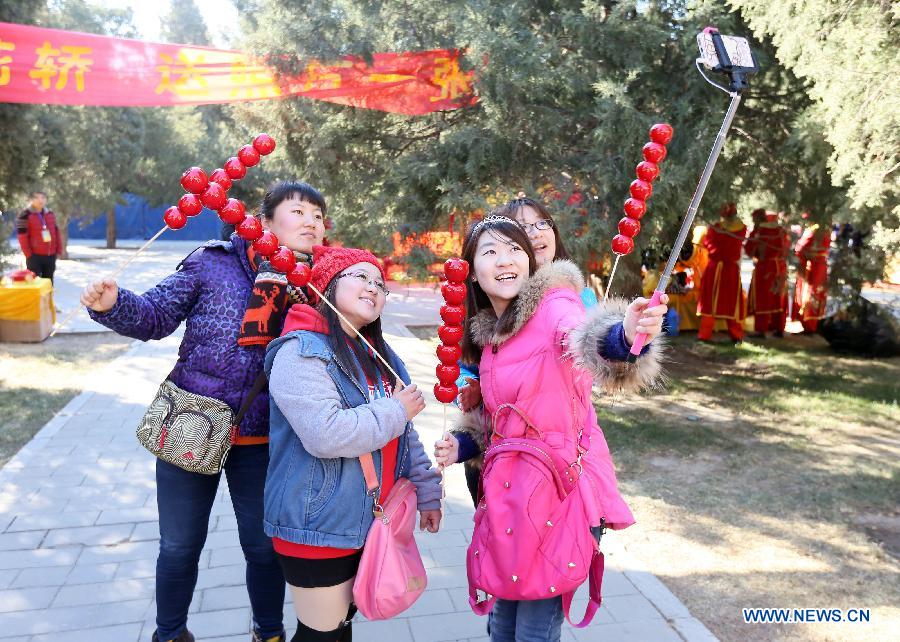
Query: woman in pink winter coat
pixel 537 348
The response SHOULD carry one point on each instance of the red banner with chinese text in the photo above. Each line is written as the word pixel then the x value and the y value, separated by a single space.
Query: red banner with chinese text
pixel 49 66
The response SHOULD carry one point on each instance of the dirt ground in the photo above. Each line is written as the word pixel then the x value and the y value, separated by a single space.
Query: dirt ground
pixel 767 475
pixel 38 379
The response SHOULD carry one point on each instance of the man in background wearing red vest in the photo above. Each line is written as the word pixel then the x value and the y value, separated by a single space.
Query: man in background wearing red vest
pixel 39 236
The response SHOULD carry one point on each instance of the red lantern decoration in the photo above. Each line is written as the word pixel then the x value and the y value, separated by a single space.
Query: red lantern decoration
pixel 174 218
pixel 622 245
pixel 250 228
pixel 248 155
pixel 194 180
pixel 221 177
pixel 450 335
pixel 635 208
pixel 214 196
pixel 661 133
pixel 264 144
pixel 235 168
pixel 647 171
pixel 629 227
pixel 299 276
pixel 232 212
pixel 456 270
pixel 654 152
pixel 454 293
pixel 283 260
pixel 641 190
pixel 447 374
pixel 449 355
pixel 190 205
pixel 453 314
pixel 445 394
pixel 266 244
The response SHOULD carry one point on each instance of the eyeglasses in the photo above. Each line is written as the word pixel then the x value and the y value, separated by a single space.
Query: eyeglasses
pixel 365 279
pixel 540 224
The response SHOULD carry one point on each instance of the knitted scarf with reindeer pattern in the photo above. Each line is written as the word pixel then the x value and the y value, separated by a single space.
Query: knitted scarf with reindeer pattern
pixel 271 295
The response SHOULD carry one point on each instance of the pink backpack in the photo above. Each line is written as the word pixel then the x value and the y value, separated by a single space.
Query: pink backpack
pixel 391 575
pixel 532 537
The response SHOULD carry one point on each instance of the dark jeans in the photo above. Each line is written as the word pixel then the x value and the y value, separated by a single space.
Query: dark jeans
pixel 42 266
pixel 185 500
pixel 526 620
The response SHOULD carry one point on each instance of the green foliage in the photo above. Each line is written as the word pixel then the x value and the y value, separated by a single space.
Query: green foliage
pixel 86 157
pixel 847 52
pixel 419 260
pixel 7 229
pixel 567 91
pixel 19 164
pixel 184 24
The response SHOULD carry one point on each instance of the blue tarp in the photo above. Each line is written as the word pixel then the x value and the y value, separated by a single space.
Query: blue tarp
pixel 137 220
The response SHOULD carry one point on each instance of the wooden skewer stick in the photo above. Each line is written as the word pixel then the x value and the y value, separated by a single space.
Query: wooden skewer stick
pixel 611 275
pixel 118 271
pixel 358 333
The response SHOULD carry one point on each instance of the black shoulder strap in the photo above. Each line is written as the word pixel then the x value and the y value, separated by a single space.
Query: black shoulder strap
pixel 258 385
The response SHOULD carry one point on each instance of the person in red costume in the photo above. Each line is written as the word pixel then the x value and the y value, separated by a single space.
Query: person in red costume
pixel 768 245
pixel 811 290
pixel 721 294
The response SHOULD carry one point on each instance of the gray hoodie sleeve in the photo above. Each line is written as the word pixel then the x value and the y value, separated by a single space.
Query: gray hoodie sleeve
pixel 308 398
pixel 422 475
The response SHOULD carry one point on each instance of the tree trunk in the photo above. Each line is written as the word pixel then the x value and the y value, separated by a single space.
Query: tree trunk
pixel 62 223
pixel 111 229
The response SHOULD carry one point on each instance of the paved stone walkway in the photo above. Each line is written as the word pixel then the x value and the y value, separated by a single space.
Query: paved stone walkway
pixel 79 529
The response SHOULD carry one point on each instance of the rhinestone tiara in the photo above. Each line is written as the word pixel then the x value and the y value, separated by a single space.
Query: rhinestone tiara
pixel 490 220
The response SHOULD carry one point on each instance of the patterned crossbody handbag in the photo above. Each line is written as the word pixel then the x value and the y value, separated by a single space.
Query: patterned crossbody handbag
pixel 191 431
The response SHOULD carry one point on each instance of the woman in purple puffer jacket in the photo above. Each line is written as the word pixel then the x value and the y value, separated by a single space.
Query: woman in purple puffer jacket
pixel 223 292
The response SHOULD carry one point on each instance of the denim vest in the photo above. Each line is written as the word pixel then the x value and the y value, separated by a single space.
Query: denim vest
pixel 313 501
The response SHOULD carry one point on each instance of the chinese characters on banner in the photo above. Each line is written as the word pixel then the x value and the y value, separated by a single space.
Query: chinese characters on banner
pixel 49 66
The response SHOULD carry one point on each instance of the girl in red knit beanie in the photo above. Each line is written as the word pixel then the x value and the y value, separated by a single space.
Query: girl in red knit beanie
pixel 332 403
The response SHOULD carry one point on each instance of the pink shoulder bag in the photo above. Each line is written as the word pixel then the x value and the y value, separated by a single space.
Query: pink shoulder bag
pixel 391 576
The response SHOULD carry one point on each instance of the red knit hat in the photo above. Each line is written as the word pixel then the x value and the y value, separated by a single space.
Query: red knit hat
pixel 329 261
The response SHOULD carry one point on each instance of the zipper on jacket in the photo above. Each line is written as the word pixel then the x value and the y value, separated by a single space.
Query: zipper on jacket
pixel 352 378
pixel 365 394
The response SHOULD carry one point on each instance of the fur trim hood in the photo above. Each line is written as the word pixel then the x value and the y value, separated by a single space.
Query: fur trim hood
pixel 586 344
pixel 586 340
pixel 556 274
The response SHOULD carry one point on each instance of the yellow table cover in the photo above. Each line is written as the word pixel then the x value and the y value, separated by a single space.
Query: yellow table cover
pixel 21 300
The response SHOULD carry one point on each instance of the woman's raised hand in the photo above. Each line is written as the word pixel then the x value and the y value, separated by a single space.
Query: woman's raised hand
pixel 446 450
pixel 412 399
pixel 640 318
pixel 100 296
pixel 470 395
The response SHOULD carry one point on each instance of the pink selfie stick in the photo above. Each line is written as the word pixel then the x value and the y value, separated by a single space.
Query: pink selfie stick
pixel 688 220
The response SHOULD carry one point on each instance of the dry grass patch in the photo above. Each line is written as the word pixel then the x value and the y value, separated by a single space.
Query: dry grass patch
pixel 768 475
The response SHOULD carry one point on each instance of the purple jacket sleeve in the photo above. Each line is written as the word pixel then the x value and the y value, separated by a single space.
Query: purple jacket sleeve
pixel 158 312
